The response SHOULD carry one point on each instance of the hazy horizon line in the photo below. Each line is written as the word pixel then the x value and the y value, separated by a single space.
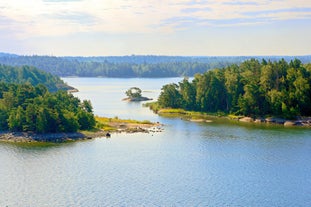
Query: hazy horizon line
pixel 159 55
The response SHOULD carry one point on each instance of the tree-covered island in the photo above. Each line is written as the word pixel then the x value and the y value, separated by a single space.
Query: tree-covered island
pixel 254 89
pixel 134 94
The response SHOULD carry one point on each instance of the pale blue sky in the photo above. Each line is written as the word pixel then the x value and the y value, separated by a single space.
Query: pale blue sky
pixel 158 27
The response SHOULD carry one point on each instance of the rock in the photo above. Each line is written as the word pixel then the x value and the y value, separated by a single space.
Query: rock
pixel 298 123
pixel 259 120
pixel 270 120
pixel 246 119
pixel 275 120
pixel 137 99
pixel 289 123
pixel 306 121
pixel 200 120
pixel 73 90
pixel 280 121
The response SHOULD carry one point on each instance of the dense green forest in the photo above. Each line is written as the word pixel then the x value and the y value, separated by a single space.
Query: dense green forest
pixel 24 107
pixel 252 88
pixel 31 75
pixel 128 66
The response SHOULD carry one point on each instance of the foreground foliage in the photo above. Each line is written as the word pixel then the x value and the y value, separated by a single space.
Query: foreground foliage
pixel 253 89
pixel 24 107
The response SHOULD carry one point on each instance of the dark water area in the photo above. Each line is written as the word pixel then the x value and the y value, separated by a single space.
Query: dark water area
pixel 188 164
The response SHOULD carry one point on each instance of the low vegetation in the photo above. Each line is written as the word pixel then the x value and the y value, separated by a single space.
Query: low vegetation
pixel 113 124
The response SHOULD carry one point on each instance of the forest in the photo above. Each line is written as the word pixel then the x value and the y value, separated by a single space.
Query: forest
pixel 28 108
pixel 129 66
pixel 31 75
pixel 37 101
pixel 253 88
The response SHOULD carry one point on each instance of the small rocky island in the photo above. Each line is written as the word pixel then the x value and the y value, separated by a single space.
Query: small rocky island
pixel 134 95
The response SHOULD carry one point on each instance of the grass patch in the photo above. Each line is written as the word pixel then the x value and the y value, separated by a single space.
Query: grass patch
pixel 172 111
pixel 109 124
pixel 189 115
pixel 232 116
pixel 154 106
pixel 107 120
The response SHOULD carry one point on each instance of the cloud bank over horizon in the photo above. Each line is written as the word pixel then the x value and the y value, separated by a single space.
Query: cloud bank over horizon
pixel 176 27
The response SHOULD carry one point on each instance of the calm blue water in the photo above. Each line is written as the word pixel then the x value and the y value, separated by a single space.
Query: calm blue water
pixel 189 164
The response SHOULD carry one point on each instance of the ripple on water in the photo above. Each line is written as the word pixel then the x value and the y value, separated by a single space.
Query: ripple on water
pixel 189 164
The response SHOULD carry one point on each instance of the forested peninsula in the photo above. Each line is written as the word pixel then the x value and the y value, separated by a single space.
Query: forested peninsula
pixel 35 101
pixel 31 75
pixel 24 107
pixel 254 88
pixel 38 106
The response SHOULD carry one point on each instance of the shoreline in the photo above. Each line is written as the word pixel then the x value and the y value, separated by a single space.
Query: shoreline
pixel 202 117
pixel 301 122
pixel 62 137
pixel 137 99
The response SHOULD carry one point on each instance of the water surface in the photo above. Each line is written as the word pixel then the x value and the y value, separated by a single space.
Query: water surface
pixel 189 164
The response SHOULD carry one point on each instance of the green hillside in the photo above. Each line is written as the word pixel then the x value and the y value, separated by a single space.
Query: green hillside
pixel 31 75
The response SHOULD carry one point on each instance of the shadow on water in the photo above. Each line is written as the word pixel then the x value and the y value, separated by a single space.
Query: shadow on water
pixel 40 146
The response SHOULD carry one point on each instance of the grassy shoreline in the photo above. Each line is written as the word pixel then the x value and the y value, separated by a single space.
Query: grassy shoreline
pixel 209 117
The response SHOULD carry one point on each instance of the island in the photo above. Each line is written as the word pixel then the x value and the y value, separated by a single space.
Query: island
pixel 134 94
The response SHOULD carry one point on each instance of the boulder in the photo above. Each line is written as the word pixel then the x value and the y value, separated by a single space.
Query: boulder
pixel 246 119
pixel 259 120
pixel 289 123
pixel 275 120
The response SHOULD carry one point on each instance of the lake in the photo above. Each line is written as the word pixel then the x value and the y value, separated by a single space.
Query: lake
pixel 188 164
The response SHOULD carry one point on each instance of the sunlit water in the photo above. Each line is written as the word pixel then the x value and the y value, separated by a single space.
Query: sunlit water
pixel 189 164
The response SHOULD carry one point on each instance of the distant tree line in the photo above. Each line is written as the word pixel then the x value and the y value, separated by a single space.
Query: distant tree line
pixel 24 107
pixel 252 88
pixel 84 67
pixel 31 75
pixel 127 66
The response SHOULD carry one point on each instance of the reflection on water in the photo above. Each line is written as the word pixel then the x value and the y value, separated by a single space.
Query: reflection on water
pixel 189 164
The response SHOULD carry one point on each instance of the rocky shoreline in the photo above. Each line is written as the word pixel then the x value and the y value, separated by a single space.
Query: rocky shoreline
pixel 137 99
pixel 33 137
pixel 29 137
pixel 201 117
pixel 304 121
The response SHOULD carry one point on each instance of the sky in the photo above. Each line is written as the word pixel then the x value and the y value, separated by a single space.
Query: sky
pixel 155 27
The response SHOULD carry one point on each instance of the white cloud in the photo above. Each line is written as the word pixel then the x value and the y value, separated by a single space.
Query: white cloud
pixel 60 17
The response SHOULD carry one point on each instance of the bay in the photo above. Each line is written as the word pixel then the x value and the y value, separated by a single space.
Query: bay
pixel 188 164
